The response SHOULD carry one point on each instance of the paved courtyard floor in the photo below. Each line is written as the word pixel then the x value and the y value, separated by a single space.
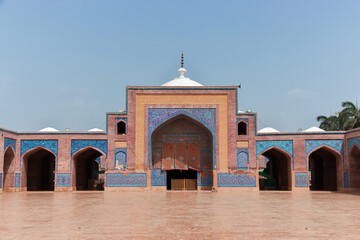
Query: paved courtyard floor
pixel 179 215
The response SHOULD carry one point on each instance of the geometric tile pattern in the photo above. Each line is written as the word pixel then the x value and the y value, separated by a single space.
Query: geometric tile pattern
pixel 11 142
pixel 236 180
pixel 76 145
pixel 158 177
pixel 63 180
pixel 287 146
pixel 206 116
pixel 242 158
pixel 51 145
pixel 313 144
pixel 301 180
pixel 346 180
pixel 17 180
pixel 126 180
pixel 353 141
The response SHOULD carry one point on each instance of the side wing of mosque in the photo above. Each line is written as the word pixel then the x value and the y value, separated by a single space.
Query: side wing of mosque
pixel 180 136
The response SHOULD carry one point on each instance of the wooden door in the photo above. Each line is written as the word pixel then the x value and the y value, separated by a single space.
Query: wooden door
pixel 167 159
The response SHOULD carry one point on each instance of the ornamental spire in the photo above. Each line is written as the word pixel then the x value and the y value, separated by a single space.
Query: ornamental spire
pixel 182 70
pixel 182 59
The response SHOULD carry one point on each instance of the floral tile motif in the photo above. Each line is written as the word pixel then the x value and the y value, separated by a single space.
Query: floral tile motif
pixel 63 180
pixel 158 177
pixel 51 145
pixel 313 144
pixel 76 145
pixel 120 158
pixel 11 142
pixel 126 180
pixel 17 180
pixel 353 141
pixel 242 158
pixel 205 178
pixel 228 180
pixel 262 146
pixel 301 180
pixel 346 180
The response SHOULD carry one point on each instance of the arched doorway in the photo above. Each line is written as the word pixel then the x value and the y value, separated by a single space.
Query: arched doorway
pixel 181 146
pixel 276 174
pixel 39 169
pixel 355 167
pixel 86 174
pixel 9 168
pixel 323 166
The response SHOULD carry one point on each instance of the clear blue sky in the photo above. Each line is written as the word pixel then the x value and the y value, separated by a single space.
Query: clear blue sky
pixel 66 63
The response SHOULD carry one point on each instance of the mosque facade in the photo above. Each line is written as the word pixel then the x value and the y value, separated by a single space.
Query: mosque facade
pixel 180 136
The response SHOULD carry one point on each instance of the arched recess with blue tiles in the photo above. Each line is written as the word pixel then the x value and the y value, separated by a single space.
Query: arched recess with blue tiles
pixel 37 165
pixel 181 143
pixel 9 164
pixel 88 164
pixel 275 172
pixel 354 161
pixel 325 164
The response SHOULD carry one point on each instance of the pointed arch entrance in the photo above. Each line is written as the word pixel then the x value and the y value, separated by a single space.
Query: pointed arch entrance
pixel 276 174
pixel 86 174
pixel 9 168
pixel 39 169
pixel 355 167
pixel 324 163
pixel 181 147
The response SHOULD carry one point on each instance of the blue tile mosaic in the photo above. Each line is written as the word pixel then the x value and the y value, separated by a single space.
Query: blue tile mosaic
pixel 301 180
pixel 242 158
pixel 310 145
pixel 346 180
pixel 11 142
pixel 17 180
pixel 242 119
pixel 262 146
pixel 1 180
pixel 63 180
pixel 101 145
pixel 236 180
pixel 206 116
pixel 51 145
pixel 126 180
pixel 353 141
pixel 205 178
pixel 158 178
pixel 120 158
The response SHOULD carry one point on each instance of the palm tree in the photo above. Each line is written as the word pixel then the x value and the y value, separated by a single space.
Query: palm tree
pixel 350 115
pixel 331 123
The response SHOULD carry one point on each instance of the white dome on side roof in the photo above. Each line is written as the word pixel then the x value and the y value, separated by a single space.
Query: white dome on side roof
pixel 268 130
pixel 95 130
pixel 49 129
pixel 314 129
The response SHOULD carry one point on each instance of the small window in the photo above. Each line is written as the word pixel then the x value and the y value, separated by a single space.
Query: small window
pixel 242 128
pixel 121 128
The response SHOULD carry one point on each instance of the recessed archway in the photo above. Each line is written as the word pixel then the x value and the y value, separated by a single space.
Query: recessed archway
pixel 180 146
pixel 86 174
pixel 355 167
pixel 39 169
pixel 9 169
pixel 323 169
pixel 277 172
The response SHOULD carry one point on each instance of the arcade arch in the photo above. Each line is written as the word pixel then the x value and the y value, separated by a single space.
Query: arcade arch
pixel 354 156
pixel 9 168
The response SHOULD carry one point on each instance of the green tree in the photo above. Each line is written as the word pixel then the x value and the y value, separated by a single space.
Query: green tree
pixel 349 115
pixel 329 123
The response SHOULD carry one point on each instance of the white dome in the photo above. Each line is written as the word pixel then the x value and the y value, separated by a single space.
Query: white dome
pixel 181 81
pixel 48 129
pixel 314 129
pixel 96 130
pixel 268 130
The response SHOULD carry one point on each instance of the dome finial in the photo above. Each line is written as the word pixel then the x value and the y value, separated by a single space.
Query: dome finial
pixel 182 59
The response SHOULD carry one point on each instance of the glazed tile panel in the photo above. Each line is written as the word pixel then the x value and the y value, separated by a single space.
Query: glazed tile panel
pixel 310 145
pixel 236 180
pixel 76 145
pixel 242 158
pixel 63 180
pixel 1 180
pixel 11 142
pixel 346 180
pixel 353 141
pixel 158 178
pixel 17 180
pixel 301 180
pixel 262 146
pixel 51 145
pixel 126 180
